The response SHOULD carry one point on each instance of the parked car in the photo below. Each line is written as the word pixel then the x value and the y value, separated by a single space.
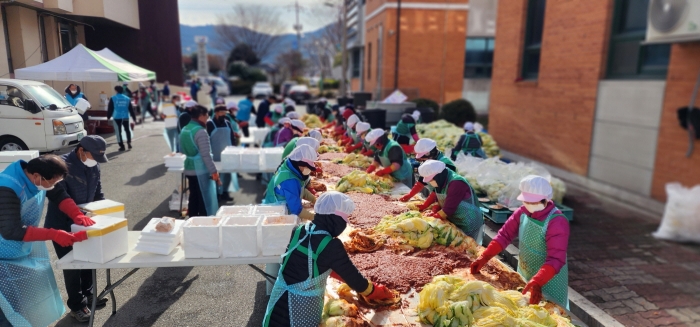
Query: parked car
pixel 299 93
pixel 286 86
pixel 262 89
pixel 33 116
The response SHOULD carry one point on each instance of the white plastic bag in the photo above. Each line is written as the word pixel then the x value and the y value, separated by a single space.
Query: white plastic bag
pixel 681 220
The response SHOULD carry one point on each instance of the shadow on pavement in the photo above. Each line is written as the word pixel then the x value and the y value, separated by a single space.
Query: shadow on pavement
pixel 261 298
pixel 163 209
pixel 152 173
pixel 157 293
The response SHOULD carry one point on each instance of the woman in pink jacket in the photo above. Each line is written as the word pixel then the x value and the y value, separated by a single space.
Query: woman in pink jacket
pixel 543 232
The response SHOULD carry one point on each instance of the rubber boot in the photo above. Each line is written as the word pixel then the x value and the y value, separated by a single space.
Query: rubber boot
pixel 121 146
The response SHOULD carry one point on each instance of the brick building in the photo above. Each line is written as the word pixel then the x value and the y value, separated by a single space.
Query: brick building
pixel 574 87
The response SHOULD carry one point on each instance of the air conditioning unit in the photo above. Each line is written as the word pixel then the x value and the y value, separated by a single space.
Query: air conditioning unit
pixel 671 21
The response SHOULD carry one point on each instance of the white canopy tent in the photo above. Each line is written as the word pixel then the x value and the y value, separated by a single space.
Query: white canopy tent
pixel 109 54
pixel 83 64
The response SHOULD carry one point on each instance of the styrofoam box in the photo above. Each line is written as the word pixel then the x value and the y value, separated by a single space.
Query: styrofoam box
pixel 149 232
pixel 104 208
pixel 270 158
pixel 269 210
pixel 239 236
pixel 250 159
pixel 100 249
pixel 12 156
pixel 275 231
pixel 231 157
pixel 170 122
pixel 259 134
pixel 175 160
pixel 202 237
pixel 226 211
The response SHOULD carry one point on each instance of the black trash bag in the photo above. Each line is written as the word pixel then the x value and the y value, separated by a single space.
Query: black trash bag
pixel 694 119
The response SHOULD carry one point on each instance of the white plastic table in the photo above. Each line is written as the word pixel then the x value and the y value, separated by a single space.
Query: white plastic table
pixel 135 260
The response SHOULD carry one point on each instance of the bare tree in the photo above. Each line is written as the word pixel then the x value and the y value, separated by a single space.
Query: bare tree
pixel 291 64
pixel 329 14
pixel 320 53
pixel 257 26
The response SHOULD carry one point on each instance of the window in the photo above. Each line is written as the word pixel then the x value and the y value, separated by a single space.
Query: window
pixel 356 55
pixel 628 58
pixel 11 96
pixel 69 37
pixel 478 59
pixel 369 60
pixel 533 38
pixel 47 96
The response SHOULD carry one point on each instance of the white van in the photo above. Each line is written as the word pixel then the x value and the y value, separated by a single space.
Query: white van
pixel 33 116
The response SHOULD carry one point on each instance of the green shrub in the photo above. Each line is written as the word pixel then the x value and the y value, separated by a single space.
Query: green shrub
pixel 241 87
pixel 331 83
pixel 246 73
pixel 458 112
pixel 329 95
pixel 427 103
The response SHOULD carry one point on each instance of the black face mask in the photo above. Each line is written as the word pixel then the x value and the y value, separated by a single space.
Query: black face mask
pixel 441 179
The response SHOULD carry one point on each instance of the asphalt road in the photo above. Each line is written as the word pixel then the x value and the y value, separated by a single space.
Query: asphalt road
pixel 187 296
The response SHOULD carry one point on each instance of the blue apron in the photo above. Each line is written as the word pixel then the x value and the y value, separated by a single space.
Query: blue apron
pixel 28 292
pixel 220 138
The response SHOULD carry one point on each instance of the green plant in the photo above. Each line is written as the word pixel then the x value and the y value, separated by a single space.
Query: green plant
pixel 329 94
pixel 241 87
pixel 427 103
pixel 329 83
pixel 246 73
pixel 458 112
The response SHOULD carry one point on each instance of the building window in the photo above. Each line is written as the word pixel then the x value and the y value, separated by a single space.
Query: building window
pixel 478 59
pixel 69 36
pixel 533 38
pixel 356 55
pixel 369 60
pixel 628 58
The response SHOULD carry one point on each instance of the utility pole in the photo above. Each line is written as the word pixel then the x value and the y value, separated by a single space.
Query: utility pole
pixel 297 26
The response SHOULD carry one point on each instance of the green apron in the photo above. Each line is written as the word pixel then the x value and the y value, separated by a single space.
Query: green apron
pixel 533 253
pixel 403 174
pixel 474 151
pixel 404 129
pixel 290 147
pixel 305 298
pixel 353 135
pixel 283 173
pixel 269 140
pixel 194 161
pixel 468 216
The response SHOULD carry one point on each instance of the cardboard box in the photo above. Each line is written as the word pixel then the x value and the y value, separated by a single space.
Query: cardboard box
pixel 271 158
pixel 107 240
pixel 202 237
pixel 104 208
pixel 275 232
pixel 239 236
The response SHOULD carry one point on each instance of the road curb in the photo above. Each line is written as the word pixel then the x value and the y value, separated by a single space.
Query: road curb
pixel 585 310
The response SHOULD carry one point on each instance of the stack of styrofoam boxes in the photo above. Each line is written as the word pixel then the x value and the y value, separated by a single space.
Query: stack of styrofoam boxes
pixel 175 161
pixel 107 239
pixel 202 237
pixel 231 157
pixel 270 158
pixel 259 134
pixel 8 157
pixel 239 231
pixel 275 228
pixel 250 159
pixel 170 113
pixel 156 242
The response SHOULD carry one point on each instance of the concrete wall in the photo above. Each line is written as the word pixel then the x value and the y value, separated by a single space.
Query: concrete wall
pixel 61 5
pixel 4 67
pixel 23 28
pixel 125 12
pixel 625 134
pixel 482 18
pixel 53 44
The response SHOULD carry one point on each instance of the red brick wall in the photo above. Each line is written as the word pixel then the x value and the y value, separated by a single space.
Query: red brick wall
pixel 551 119
pixel 355 84
pixel 671 163
pixel 370 55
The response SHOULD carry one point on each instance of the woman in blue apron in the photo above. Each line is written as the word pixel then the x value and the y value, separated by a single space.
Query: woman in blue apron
pixel 28 292
pixel 456 200
pixel 406 130
pixel 390 156
pixel 220 136
pixel 543 233
pixel 199 165
pixel 426 149
pixel 470 143
pixel 313 254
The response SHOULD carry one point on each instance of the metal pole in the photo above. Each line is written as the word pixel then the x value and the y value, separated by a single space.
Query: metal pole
pixel 398 37
pixel 344 46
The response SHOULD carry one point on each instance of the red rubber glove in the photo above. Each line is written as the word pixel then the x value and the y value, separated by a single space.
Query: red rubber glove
pixel 437 215
pixel 370 169
pixel 80 236
pixel 436 208
pixel 430 200
pixel 71 209
pixel 311 190
pixel 329 125
pixel 337 277
pixel 408 149
pixel 384 171
pixel 61 237
pixel 416 188
pixel 269 121
pixel 352 147
pixel 491 251
pixel 380 292
pixel 543 276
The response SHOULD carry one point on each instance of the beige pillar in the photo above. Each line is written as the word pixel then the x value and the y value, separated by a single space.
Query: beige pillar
pixel 4 67
pixel 25 43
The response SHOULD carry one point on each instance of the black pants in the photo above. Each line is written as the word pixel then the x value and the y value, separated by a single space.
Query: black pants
pixel 78 281
pixel 245 130
pixel 401 139
pixel 123 123
pixel 196 207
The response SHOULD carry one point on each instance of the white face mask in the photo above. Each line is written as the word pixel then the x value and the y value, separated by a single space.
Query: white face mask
pixel 89 162
pixel 532 208
pixel 73 92
pixel 42 188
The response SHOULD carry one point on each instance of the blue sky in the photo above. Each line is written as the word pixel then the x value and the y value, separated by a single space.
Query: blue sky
pixel 204 12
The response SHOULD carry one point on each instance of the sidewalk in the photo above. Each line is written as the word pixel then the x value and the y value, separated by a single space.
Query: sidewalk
pixel 616 264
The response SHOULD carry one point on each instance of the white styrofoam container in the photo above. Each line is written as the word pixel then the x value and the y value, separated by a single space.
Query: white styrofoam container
pixel 12 156
pixel 250 159
pixel 104 208
pixel 226 211
pixel 231 157
pixel 270 158
pixel 175 206
pixel 201 237
pixel 275 237
pixel 150 230
pixel 111 244
pixel 175 160
pixel 269 210
pixel 170 122
pixel 259 134
pixel 239 236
